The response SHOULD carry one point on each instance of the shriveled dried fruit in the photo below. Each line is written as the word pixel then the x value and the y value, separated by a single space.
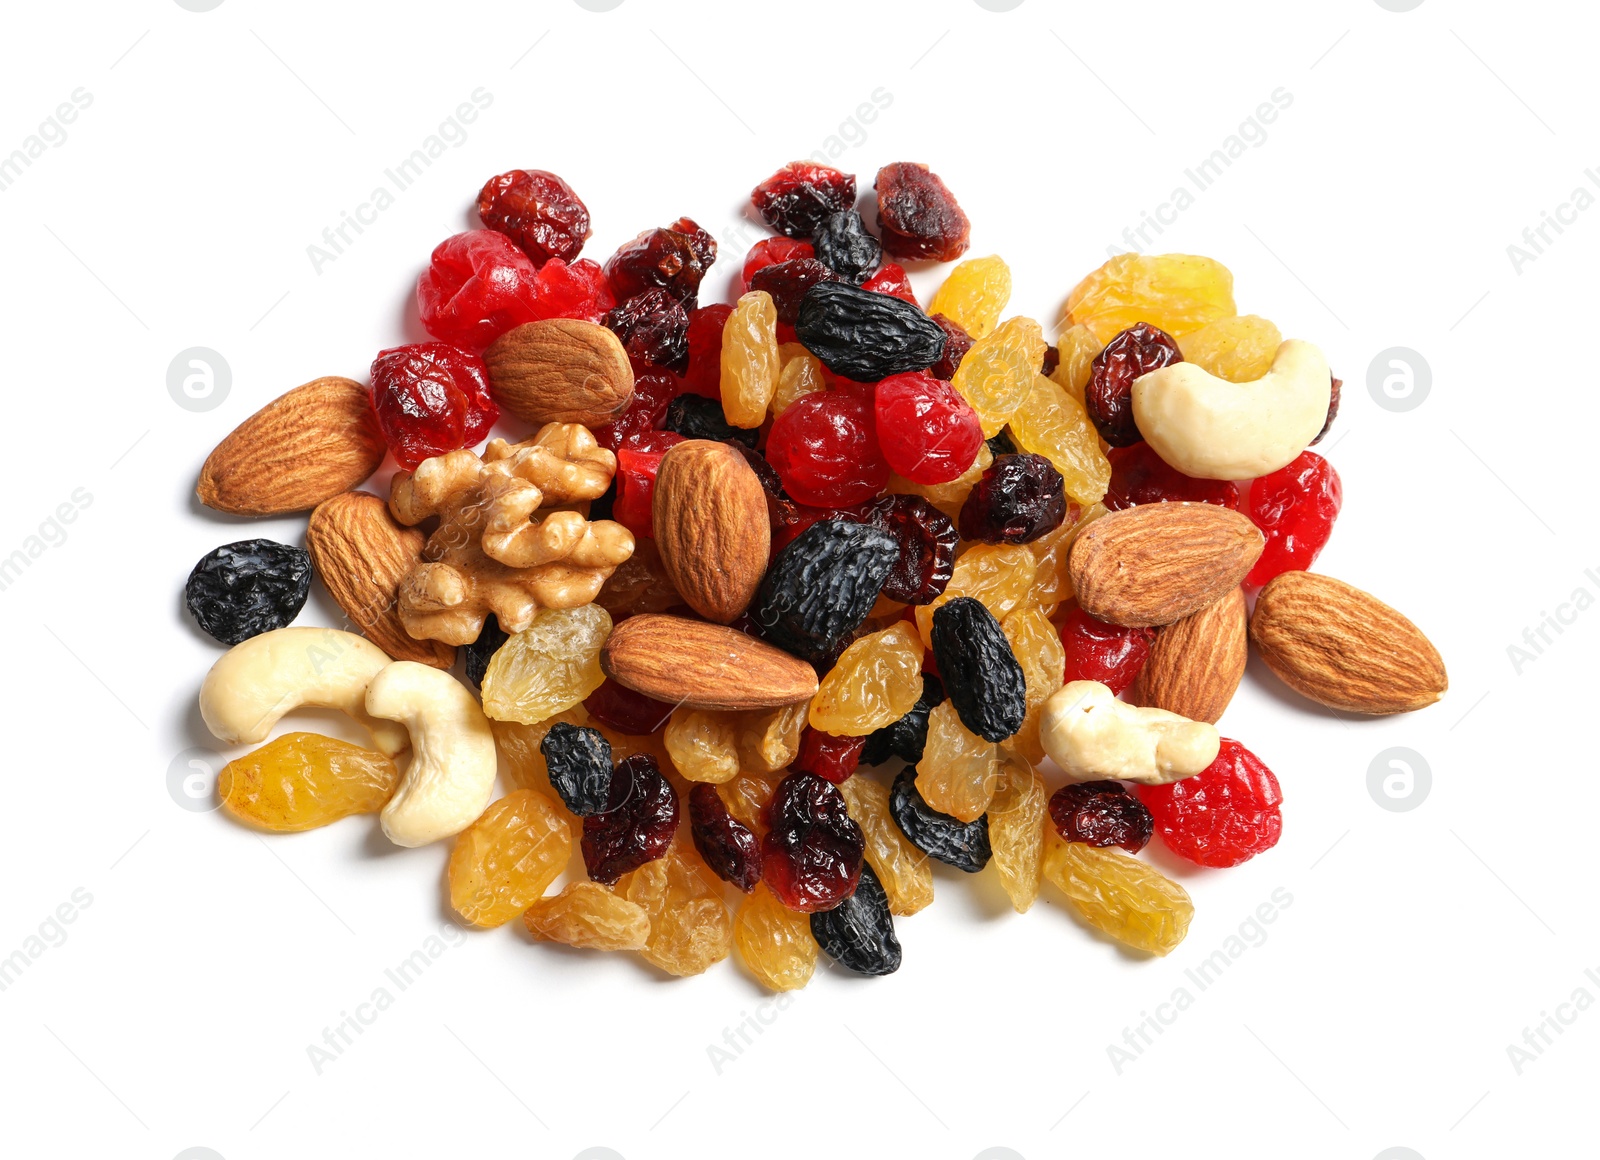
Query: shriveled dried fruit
pixel 812 852
pixel 588 915
pixel 1018 500
pixel 729 847
pixel 1139 475
pixel 1119 895
pixel 964 845
pixel 1176 292
pixel 242 590
pixel 1016 830
pixel 957 343
pixel 774 942
pixel 750 363
pixel 578 763
pixel 1108 653
pixel 480 652
pixel 927 539
pixel 866 336
pixel 802 375
pixel 549 666
pixel 1108 398
pixel 706 324
pixel 891 279
pixel 918 215
pixel 958 771
pixel 1295 507
pixel 639 425
pixel 844 246
pixel 825 449
pixel 1224 815
pixel 477 286
pixel 769 739
pixel 1237 349
pixel 1052 579
pixel 1050 422
pixel 653 328
pixel 858 934
pixel 430 398
pixel 974 295
pixel 1101 813
pixel 769 252
pixel 1075 351
pixel 821 587
pixel 927 431
pixel 697 417
pixel 536 210
pixel 506 860
pixel 704 745
pixel 999 371
pixel 672 259
pixel 520 748
pixel 875 682
pixel 637 825
pixel 907 736
pixel 690 930
pixel 981 675
pixel 789 282
pixel 621 708
pixel 747 796
pixel 901 868
pixel 303 780
pixel 829 756
pixel 999 575
pixel 801 196
pixel 1038 649
pixel 947 497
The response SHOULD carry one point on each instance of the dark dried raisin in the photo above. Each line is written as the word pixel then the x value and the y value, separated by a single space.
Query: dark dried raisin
pixel 482 650
pixel 656 258
pixel 918 215
pixel 637 426
pixel 1139 475
pixel 243 589
pixel 638 823
pixel 827 755
pixel 907 737
pixel 697 417
pixel 1019 499
pixel 729 847
pixel 1052 359
pixel 797 198
pixel 653 328
pixel 927 539
pixel 579 763
pixel 1333 410
pixel 822 585
pixel 701 242
pixel 843 245
pixel 1108 398
pixel 1101 813
pixel 812 854
pixel 964 845
pixel 789 282
pixel 866 336
pixel 1001 443
pixel 980 672
pixel 858 934
pixel 956 345
pixel 626 711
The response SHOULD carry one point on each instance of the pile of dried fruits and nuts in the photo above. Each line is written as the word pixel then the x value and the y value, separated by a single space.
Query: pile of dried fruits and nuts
pixel 782 599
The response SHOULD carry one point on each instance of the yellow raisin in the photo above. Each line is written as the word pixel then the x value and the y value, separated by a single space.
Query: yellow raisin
pixel 505 861
pixel 689 925
pixel 1052 582
pixel 947 497
pixel 588 915
pixel 549 666
pixel 1117 894
pixel 1237 349
pixel 876 681
pixel 1176 292
pixel 901 867
pixel 957 773
pixel 520 760
pixel 1038 649
pixel 998 575
pixel 769 739
pixel 750 362
pixel 998 372
pixel 1017 815
pixel 1052 423
pixel 303 780
pixel 746 797
pixel 703 745
pixel 974 294
pixel 774 941
pixel 1076 347
pixel 801 376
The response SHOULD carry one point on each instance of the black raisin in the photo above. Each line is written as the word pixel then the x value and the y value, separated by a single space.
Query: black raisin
pixel 980 672
pixel 822 585
pixel 697 417
pixel 843 245
pixel 637 825
pixel 579 762
pixel 244 589
pixel 906 737
pixel 866 336
pixel 1019 499
pixel 789 282
pixel 1101 813
pixel 653 328
pixel 1001 444
pixel 927 539
pixel 729 847
pixel 1051 360
pixel 858 934
pixel 964 845
pixel 482 650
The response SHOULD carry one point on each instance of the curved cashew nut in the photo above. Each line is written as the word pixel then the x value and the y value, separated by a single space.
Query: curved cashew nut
pixel 1213 429
pixel 1092 735
pixel 451 776
pixel 259 680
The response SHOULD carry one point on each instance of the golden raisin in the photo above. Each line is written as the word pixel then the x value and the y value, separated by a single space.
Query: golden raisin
pixel 1052 582
pixel 549 666
pixel 957 773
pixel 998 372
pixel 703 745
pixel 1239 350
pixel 505 861
pixel 998 575
pixel 1117 894
pixel 746 797
pixel 769 739
pixel 974 294
pixel 588 915
pixel 902 868
pixel 689 925
pixel 1017 815
pixel 1176 293
pixel 876 681
pixel 774 942
pixel 520 760
pixel 1075 349
pixel 1038 649
pixel 750 362
pixel 303 780
pixel 1052 423
pixel 801 376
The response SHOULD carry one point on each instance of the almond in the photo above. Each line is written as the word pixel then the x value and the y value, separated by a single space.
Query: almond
pixel 1159 562
pixel 362 554
pixel 710 519
pixel 1344 649
pixel 306 446
pixel 1196 664
pixel 560 370
pixel 703 666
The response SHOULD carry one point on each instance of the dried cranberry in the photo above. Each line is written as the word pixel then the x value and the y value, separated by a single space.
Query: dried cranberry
pixel 1139 475
pixel 1019 499
pixel 770 252
pixel 637 426
pixel 619 707
pixel 729 847
pixel 536 210
pixel 929 434
pixel 656 258
pixel 653 328
pixel 1101 813
pixel 704 375
pixel 576 291
pixel 927 539
pixel 811 856
pixel 844 246
pixel 829 756
pixel 1224 815
pixel 636 486
pixel 825 449
pixel 891 279
pixel 1051 360
pixel 477 286
pixel 918 215
pixel 1108 653
pixel 796 199
pixel 957 343
pixel 1295 508
pixel 1109 395
pixel 430 398
pixel 700 241
pixel 788 283
pixel 1333 410
pixel 637 825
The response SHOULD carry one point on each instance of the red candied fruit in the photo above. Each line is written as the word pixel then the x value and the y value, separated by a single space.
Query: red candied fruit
pixel 796 199
pixel 477 286
pixel 891 279
pixel 1224 815
pixel 1139 475
pixel 771 252
pixel 812 854
pixel 1108 396
pixel 729 847
pixel 636 484
pixel 619 707
pixel 641 422
pixel 788 283
pixel 536 210
pixel 929 434
pixel 666 258
pixel 957 342
pixel 431 398
pixel 829 756
pixel 825 450
pixel 576 291
pixel 704 375
pixel 1295 508
pixel 917 214
pixel 1108 653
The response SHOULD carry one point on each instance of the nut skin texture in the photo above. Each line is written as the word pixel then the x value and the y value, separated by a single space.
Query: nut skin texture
pixel 1340 647
pixel 305 446
pixel 980 673
pixel 710 520
pixel 1158 563
pixel 560 370
pixel 1093 736
pixel 703 666
pixel 1195 664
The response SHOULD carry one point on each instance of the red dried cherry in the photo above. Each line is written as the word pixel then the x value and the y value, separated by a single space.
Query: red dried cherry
pixel 929 433
pixel 1224 815
pixel 812 854
pixel 1101 813
pixel 637 426
pixel 704 374
pixel 829 756
pixel 636 485
pixel 536 210
pixel 619 707
pixel 730 848
pixel 1139 475
pixel 430 398
pixel 891 279
pixel 576 291
pixel 1108 653
pixel 477 286
pixel 1108 398
pixel 825 449
pixel 770 252
pixel 795 200
pixel 957 343
pixel 1295 508
pixel 663 258
pixel 917 214
pixel 788 283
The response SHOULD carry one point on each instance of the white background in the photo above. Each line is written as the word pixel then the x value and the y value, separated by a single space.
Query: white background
pixel 176 1011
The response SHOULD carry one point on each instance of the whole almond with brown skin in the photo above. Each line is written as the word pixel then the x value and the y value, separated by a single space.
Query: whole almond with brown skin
pixel 703 666
pixel 1335 644
pixel 306 446
pixel 560 370
pixel 1160 562
pixel 362 554
pixel 1196 664
pixel 710 519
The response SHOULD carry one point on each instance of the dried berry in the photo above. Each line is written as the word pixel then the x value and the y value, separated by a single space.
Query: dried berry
pixel 505 861
pixel 1101 813
pixel 1050 422
pixel 589 916
pixel 1052 359
pixel 242 590
pixel 1139 475
pixel 800 196
pixel 637 825
pixel 576 291
pixel 1016 831
pixel 1295 508
pixel 891 279
pixel 959 771
pixel 928 433
pixel 301 781
pixel 653 328
pixel 1239 349
pixel 727 845
pixel 481 651
pixel 697 417
pixel 703 245
pixel 812 854
pixel 1000 370
pixel 1000 575
pixel 1108 653
pixel 844 246
pixel 689 925
pixel 662 258
pixel 549 666
pixel 619 707
pixel 1002 444
pixel 906 737
pixel 1177 292
pixel 1019 499
pixel 918 215
pixel 825 449
pixel 477 286
pixel 536 210
pixel 704 374
pixel 957 343
pixel 750 361
pixel 1225 814
pixel 430 398
pixel 770 252
pixel 866 336
pixel 826 755
pixel 578 762
pixel 638 426
pixel 964 845
pixel 789 282
pixel 858 934
pixel 1109 396
pixel 927 539
pixel 1038 649
pixel 820 588
pixel 1333 411
pixel 635 482
pixel 981 675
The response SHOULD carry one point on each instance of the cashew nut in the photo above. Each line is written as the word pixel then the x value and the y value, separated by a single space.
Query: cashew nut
pixel 259 680
pixel 1092 735
pixel 451 775
pixel 1213 429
